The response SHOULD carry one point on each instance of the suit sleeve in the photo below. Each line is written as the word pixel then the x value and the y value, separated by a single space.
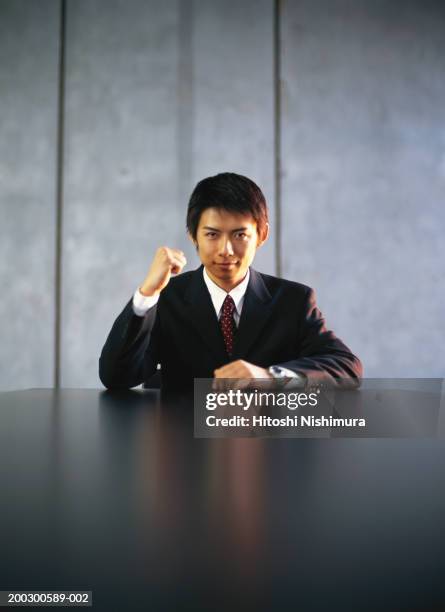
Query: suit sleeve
pixel 131 352
pixel 322 357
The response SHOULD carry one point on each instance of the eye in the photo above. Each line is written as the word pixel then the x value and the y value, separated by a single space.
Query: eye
pixel 241 235
pixel 210 234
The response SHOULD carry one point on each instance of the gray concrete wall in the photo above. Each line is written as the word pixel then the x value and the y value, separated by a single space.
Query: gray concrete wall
pixel 120 196
pixel 28 131
pixel 159 95
pixel 364 174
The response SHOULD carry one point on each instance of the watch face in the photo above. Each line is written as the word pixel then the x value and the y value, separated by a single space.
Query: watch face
pixel 277 372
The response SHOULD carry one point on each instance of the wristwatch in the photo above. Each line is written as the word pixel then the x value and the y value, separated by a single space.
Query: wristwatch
pixel 284 377
pixel 279 374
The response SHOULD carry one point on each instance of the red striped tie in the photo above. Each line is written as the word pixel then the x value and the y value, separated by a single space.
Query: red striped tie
pixel 227 323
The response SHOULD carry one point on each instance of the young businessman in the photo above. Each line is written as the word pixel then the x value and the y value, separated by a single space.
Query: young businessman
pixel 224 320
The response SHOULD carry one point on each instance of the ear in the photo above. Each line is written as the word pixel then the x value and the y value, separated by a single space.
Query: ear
pixel 263 236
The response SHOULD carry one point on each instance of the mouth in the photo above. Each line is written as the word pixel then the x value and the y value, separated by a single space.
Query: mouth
pixel 226 265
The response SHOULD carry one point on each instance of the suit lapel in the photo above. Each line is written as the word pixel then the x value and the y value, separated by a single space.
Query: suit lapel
pixel 257 308
pixel 202 315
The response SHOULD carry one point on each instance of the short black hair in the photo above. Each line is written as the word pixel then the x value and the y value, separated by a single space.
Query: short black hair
pixel 230 191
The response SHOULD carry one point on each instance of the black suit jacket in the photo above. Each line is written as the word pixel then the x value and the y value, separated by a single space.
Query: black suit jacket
pixel 280 324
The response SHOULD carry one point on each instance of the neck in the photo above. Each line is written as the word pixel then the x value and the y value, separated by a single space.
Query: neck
pixel 226 286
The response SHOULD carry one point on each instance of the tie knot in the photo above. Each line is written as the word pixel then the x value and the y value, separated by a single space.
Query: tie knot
pixel 228 306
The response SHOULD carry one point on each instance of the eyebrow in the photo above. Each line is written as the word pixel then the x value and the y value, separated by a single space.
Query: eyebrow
pixel 214 229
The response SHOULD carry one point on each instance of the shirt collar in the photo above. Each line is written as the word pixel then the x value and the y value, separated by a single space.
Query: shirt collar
pixel 218 295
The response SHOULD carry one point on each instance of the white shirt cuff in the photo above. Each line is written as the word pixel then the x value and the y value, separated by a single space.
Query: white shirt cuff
pixel 143 303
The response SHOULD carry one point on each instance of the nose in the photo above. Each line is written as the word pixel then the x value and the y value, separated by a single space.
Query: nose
pixel 226 247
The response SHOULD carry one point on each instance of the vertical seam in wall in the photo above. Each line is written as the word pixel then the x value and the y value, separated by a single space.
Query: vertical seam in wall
pixel 185 115
pixel 277 132
pixel 59 194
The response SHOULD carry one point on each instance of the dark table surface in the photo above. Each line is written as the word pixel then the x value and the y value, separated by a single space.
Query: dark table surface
pixel 112 493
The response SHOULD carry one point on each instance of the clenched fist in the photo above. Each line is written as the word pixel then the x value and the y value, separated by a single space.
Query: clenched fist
pixel 165 263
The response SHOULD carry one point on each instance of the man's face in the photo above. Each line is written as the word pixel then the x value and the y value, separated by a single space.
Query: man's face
pixel 227 243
